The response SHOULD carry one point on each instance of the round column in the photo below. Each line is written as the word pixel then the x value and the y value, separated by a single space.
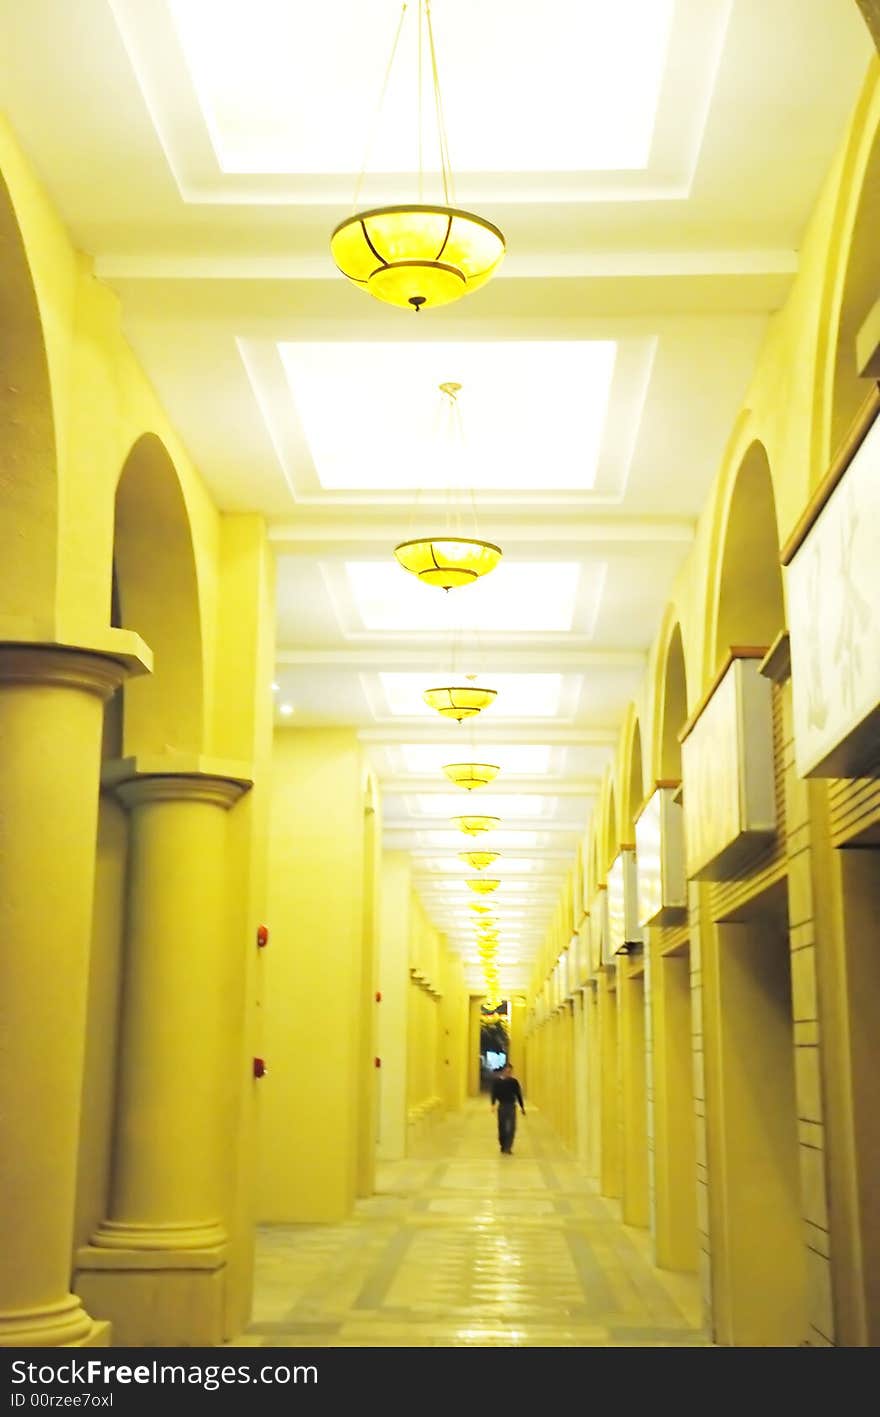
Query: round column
pixel 172 1099
pixel 51 721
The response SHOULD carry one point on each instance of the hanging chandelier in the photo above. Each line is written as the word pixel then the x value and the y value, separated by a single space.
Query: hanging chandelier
pixel 450 559
pixel 461 702
pixel 471 775
pixel 418 255
pixel 482 886
pixel 476 826
pixel 480 909
pixel 479 859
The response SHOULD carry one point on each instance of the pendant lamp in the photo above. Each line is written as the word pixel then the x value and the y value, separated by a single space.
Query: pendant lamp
pixel 417 255
pixel 449 558
pixel 483 886
pixel 448 561
pixel 476 826
pixel 465 701
pixel 471 775
pixel 479 859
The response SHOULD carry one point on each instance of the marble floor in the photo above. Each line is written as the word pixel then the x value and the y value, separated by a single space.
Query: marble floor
pixel 463 1246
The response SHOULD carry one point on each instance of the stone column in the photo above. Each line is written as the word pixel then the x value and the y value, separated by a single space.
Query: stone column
pixel 155 1265
pixel 51 723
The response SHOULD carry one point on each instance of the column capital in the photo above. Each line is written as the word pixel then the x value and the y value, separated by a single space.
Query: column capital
pixel 92 669
pixel 124 647
pixel 177 777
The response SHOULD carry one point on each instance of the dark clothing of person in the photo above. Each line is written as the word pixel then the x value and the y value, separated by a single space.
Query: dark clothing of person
pixel 506 1125
pixel 507 1090
pixel 507 1093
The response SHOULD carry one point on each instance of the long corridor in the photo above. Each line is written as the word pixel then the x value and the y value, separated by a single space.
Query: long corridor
pixel 463 1246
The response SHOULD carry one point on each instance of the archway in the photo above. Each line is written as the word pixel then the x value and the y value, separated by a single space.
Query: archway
pixel 368 1102
pixel 28 480
pixel 161 857
pixel 749 604
pixel 755 1208
pixel 673 707
pixel 158 596
pixel 612 835
pixel 635 786
pixel 674 1124
pixel 631 1019
pixel 861 290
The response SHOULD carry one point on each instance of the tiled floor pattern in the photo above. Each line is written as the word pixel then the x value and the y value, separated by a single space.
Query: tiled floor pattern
pixel 463 1246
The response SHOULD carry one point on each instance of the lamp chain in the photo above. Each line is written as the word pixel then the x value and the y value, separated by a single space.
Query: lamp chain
pixel 374 126
pixel 445 165
pixel 421 134
pixel 424 21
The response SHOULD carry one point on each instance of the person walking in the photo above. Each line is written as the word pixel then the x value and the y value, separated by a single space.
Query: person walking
pixel 506 1092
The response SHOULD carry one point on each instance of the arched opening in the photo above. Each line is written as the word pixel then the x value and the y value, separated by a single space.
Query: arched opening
pixel 368 1130
pixel 760 1276
pixel 675 1155
pixel 861 289
pixel 673 707
pixel 153 591
pixel 158 597
pixel 750 606
pixel 612 835
pixel 635 787
pixel 28 482
pixel 631 1015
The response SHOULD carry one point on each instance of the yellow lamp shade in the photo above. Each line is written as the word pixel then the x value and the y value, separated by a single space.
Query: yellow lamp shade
pixel 483 886
pixel 479 859
pixel 481 909
pixel 417 256
pixel 476 826
pixel 448 561
pixel 471 775
pixel 459 702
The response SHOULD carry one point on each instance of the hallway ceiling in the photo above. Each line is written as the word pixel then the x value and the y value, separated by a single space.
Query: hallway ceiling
pixel 653 187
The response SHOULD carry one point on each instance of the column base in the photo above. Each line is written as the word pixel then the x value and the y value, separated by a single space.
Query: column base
pixel 62 1325
pixel 156 1298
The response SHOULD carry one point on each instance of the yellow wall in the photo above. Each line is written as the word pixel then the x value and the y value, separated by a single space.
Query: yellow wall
pixel 313 984
pixel 394 985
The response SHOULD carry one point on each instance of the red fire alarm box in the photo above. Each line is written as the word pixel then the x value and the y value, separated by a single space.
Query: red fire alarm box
pixel 262 936
pixel 259 1067
pixel 378 996
pixel 377 1062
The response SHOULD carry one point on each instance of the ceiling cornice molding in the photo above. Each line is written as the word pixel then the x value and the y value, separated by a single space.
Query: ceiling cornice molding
pixel 324 534
pixel 393 652
pixel 514 784
pixel 417 731
pixel 529 264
